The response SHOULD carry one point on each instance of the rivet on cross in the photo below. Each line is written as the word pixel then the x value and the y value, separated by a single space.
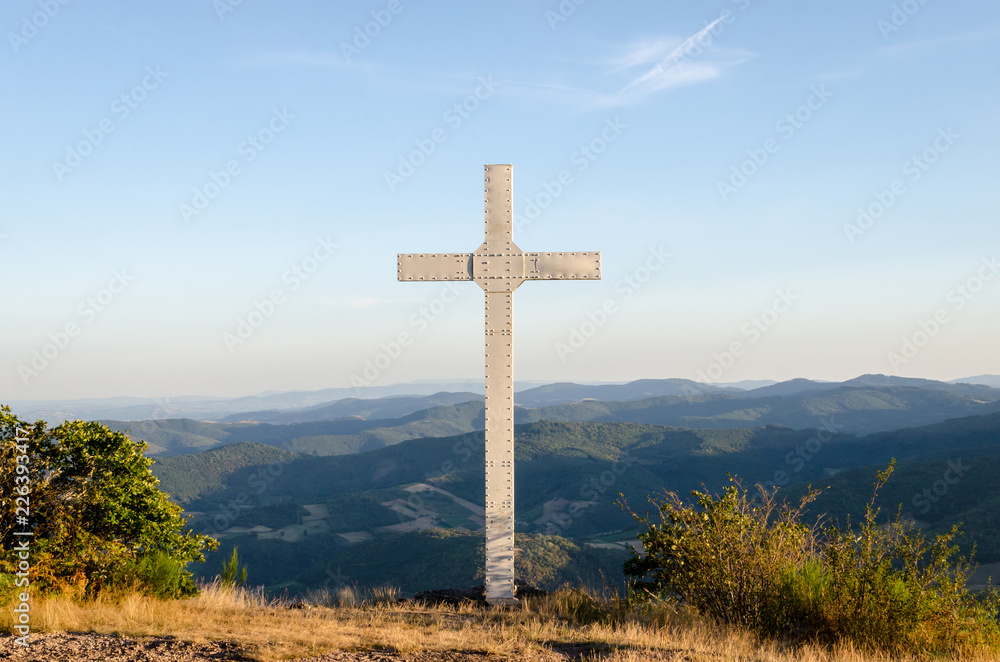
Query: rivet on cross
pixel 499 267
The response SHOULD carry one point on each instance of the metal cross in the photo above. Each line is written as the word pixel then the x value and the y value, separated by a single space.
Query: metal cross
pixel 499 267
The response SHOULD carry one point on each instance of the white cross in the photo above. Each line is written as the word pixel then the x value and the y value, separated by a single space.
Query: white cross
pixel 499 267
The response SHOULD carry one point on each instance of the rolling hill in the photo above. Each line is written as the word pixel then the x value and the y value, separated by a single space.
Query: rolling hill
pixel 380 408
pixel 867 405
pixel 338 437
pixel 858 409
pixel 323 511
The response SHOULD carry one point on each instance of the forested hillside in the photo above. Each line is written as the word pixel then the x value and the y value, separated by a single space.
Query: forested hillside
pixel 283 508
pixel 862 406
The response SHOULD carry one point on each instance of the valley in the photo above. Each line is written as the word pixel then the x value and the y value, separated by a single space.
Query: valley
pixel 304 521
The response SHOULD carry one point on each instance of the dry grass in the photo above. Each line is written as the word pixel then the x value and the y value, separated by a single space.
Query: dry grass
pixel 547 629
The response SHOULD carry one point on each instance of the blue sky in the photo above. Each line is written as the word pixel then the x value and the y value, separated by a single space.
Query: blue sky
pixel 207 197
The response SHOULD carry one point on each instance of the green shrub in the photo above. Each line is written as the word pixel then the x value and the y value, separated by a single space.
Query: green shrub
pixel 728 556
pixel 7 588
pixel 754 563
pixel 98 518
pixel 164 577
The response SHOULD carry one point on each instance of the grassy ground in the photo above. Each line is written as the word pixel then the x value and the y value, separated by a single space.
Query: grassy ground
pixel 560 626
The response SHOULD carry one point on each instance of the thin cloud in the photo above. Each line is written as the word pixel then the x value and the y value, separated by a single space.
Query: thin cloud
pixel 547 86
pixel 643 52
pixel 666 65
pixel 677 55
pixel 647 66
pixel 917 47
pixel 330 60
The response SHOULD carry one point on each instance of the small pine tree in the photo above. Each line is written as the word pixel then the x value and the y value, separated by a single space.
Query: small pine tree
pixel 233 573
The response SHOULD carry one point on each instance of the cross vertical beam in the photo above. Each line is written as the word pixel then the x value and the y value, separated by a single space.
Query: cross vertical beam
pixel 498 266
pixel 499 446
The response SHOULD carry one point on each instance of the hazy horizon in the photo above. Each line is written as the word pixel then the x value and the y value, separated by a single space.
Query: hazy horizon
pixel 519 385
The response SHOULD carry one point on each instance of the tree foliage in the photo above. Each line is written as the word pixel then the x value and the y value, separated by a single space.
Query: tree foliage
pixel 98 517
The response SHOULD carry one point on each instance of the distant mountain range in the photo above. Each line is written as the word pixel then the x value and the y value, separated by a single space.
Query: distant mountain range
pixel 206 408
pixel 337 437
pixel 871 403
pixel 986 380
pixel 381 408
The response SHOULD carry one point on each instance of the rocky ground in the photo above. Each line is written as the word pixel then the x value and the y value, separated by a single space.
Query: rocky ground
pixel 88 647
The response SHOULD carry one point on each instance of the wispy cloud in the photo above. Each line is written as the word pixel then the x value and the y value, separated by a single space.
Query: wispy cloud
pixel 923 45
pixel 665 62
pixel 642 52
pixel 451 82
pixel 639 69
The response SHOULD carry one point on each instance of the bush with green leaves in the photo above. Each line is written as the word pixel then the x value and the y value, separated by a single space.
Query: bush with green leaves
pixel 98 517
pixel 753 562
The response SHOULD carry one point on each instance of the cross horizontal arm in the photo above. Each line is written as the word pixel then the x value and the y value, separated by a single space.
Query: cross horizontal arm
pixel 433 266
pixel 562 266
